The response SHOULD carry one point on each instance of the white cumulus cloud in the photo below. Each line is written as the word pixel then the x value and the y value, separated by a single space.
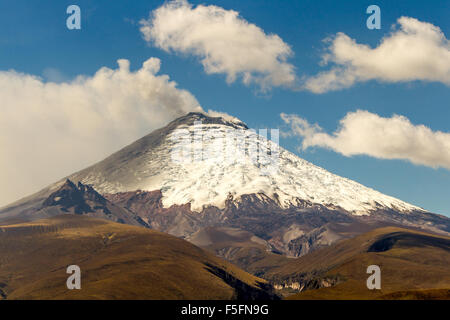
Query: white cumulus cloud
pixel 366 133
pixel 224 41
pixel 415 51
pixel 49 130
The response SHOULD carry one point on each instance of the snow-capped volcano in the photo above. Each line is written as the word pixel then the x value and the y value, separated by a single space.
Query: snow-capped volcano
pixel 213 173
pixel 202 160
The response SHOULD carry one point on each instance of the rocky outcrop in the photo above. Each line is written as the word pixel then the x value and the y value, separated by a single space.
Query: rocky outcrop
pixel 70 197
pixel 305 281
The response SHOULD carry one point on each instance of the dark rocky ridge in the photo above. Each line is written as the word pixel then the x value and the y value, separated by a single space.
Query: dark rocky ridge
pixel 70 196
pixel 84 200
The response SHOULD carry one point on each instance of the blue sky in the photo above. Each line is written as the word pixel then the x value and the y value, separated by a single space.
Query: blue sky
pixel 34 40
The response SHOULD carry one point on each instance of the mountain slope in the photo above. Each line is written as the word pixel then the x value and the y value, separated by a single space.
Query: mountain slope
pixel 117 262
pixel 148 165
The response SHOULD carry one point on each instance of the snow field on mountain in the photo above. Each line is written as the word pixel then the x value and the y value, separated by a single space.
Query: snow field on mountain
pixel 202 164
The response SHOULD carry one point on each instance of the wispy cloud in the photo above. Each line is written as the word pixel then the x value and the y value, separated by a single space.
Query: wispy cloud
pixel 366 133
pixel 415 51
pixel 225 42
pixel 49 130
